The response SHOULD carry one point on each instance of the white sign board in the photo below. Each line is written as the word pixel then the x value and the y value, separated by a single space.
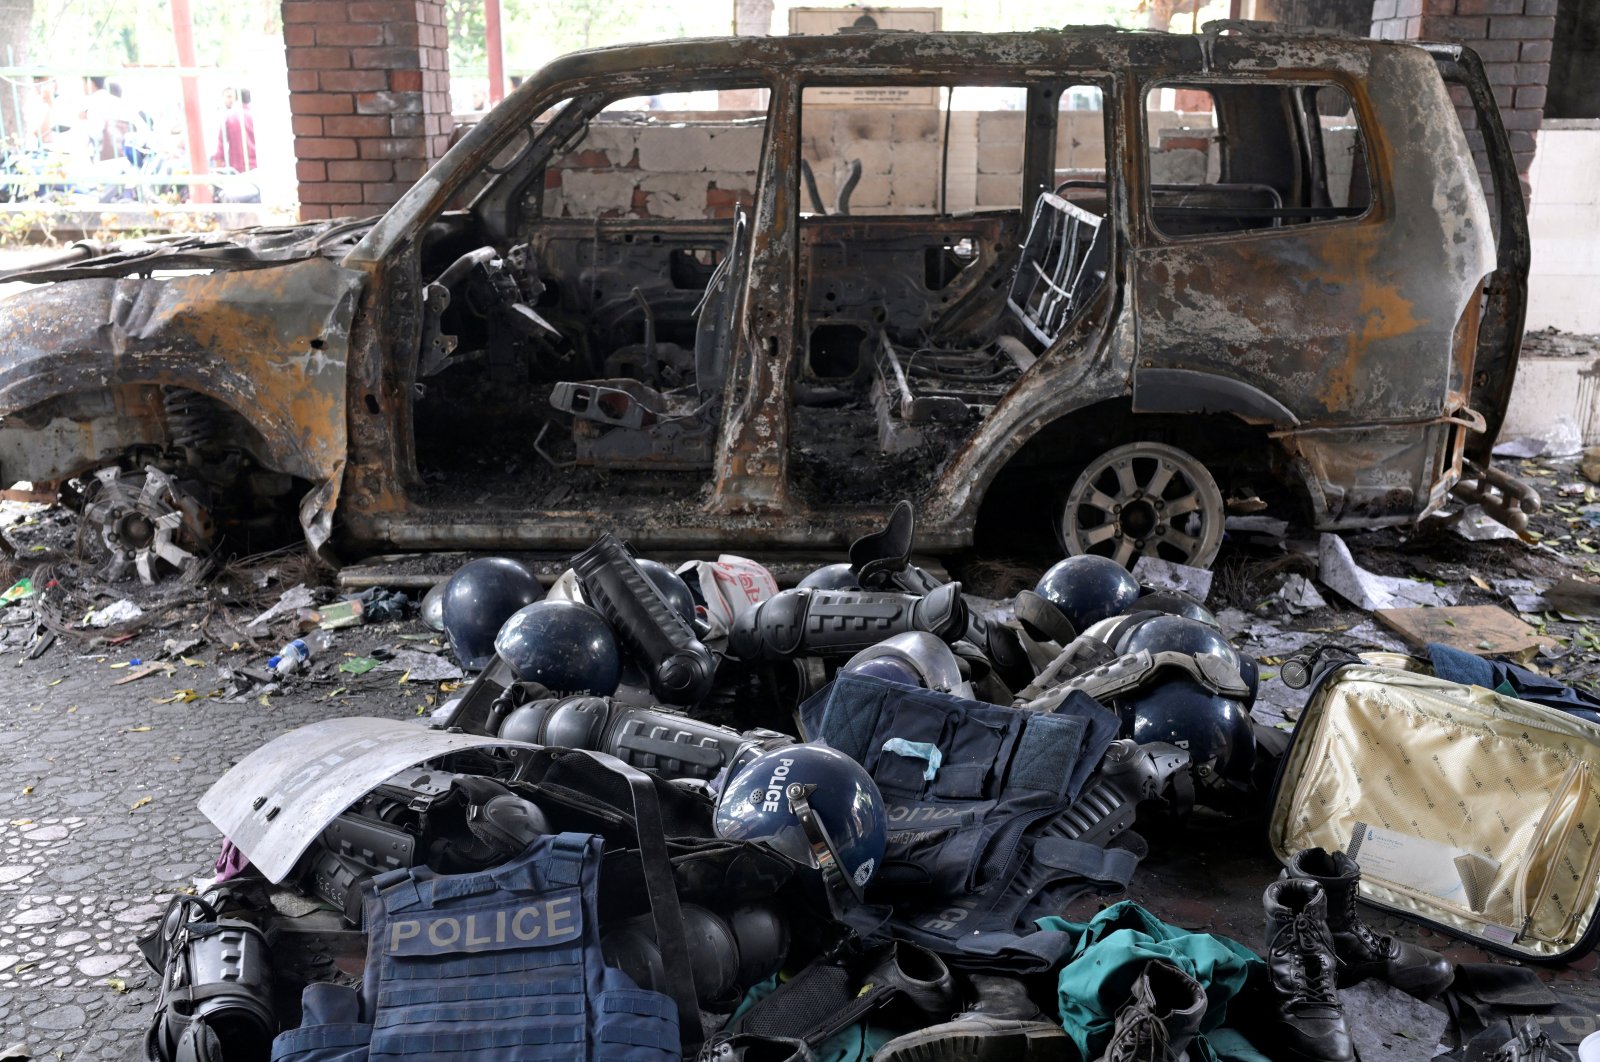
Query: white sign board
pixel 830 20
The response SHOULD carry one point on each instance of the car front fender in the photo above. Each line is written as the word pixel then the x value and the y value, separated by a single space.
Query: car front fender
pixel 82 360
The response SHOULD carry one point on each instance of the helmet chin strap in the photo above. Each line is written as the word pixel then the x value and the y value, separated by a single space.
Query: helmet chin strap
pixel 837 885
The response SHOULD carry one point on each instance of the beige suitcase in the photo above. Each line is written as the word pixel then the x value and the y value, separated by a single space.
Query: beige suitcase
pixel 1470 811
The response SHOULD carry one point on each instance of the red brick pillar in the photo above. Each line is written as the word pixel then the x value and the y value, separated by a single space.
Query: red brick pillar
pixel 1513 37
pixel 369 91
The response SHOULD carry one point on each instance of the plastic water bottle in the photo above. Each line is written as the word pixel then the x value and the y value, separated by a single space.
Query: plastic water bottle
pixel 294 655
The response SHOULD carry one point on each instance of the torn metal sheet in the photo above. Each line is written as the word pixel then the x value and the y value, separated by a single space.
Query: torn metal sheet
pixel 421 667
pixel 1339 572
pixel 276 801
pixel 1299 595
pixel 1169 575
pixel 289 602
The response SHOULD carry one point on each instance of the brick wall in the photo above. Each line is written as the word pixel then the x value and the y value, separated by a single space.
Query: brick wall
pixel 369 98
pixel 1513 37
pixel 699 164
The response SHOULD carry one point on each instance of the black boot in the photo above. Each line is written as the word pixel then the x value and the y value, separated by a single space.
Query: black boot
pixel 1363 953
pixel 1161 1016
pixel 1002 1024
pixel 1002 997
pixel 1307 1023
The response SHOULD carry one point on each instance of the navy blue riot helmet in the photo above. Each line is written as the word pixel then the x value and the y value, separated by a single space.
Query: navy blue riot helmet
pixel 1164 633
pixel 1251 673
pixel 1175 603
pixel 831 577
pixel 814 805
pixel 564 646
pixel 671 585
pixel 477 600
pixel 914 658
pixel 1215 730
pixel 1087 589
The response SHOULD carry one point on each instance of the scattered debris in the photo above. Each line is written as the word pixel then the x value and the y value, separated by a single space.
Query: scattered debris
pixel 1476 525
pixel 1590 465
pixel 1483 630
pixel 1340 573
pixel 1169 575
pixel 1574 599
pixel 119 612
pixel 290 602
pixel 418 666
pixel 145 671
pixel 1561 438
pixel 358 665
pixel 1297 593
pixel 178 648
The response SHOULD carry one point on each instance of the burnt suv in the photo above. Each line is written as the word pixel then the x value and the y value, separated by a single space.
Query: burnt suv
pixel 1112 285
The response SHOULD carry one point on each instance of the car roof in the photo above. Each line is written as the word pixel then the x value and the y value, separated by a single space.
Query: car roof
pixel 1245 46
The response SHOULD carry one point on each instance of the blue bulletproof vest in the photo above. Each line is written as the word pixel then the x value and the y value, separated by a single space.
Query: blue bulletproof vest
pixel 973 792
pixel 502 964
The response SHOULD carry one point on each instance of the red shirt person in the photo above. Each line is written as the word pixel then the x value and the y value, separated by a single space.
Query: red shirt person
pixel 236 140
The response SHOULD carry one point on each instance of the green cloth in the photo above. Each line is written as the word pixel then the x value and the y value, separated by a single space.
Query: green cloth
pixel 854 1043
pixel 1110 953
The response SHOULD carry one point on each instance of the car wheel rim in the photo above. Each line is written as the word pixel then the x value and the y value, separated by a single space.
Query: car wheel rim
pixel 1144 499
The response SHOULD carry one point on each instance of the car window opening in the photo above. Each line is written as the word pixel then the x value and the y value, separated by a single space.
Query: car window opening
pixel 602 323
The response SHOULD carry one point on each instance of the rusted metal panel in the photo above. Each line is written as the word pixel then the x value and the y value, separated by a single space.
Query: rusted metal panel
pixel 1340 321
pixel 269 343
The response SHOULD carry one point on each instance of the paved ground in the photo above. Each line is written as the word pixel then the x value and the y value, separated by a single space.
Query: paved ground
pixel 98 825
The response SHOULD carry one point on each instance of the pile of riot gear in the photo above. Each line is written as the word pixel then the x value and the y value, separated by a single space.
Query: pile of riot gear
pixel 633 817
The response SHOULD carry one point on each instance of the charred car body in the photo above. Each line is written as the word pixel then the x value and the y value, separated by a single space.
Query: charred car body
pixel 1137 275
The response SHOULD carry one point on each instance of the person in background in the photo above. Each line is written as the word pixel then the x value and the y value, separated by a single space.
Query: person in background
pixel 99 119
pixel 40 117
pixel 236 140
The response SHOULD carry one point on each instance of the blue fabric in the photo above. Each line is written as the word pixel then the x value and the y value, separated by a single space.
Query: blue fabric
pixel 963 865
pixel 1110 953
pixel 331 1029
pixel 1502 676
pixel 499 965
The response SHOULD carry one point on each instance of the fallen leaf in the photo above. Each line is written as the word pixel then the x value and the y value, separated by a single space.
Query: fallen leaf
pixel 55 682
pixel 405 676
pixel 139 729
pixel 234 648
pixel 22 822
pixel 180 697
pixel 74 708
pixel 141 802
pixel 1480 582
pixel 117 984
pixel 265 700
pixel 27 790
pixel 120 663
pixel 192 662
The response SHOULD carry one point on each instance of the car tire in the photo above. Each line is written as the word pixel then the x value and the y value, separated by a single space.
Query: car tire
pixel 1144 499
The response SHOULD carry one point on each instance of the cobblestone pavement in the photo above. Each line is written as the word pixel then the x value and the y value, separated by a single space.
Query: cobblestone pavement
pixel 98 825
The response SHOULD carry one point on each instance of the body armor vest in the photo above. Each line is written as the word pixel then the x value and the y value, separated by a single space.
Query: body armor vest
pixel 502 964
pixel 980 799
